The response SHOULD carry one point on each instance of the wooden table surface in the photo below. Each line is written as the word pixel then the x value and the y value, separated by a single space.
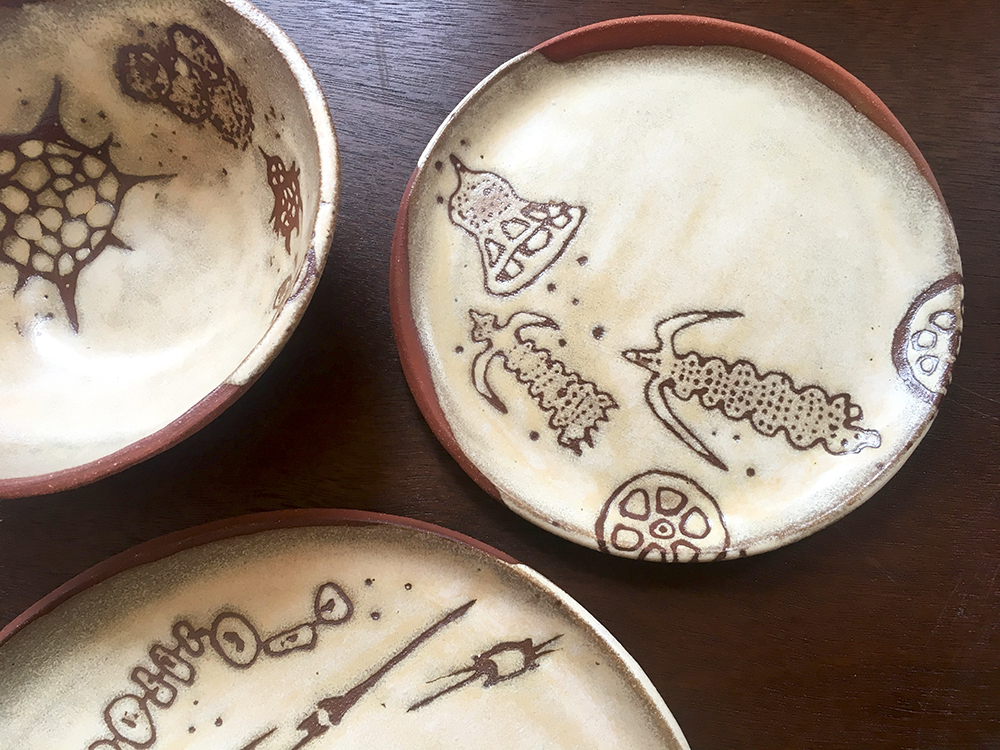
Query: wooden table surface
pixel 881 631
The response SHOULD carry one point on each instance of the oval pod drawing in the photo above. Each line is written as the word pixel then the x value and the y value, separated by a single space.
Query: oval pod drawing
pixel 926 341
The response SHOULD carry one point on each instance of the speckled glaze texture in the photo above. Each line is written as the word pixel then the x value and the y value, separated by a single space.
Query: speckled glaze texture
pixel 168 185
pixel 676 289
pixel 320 629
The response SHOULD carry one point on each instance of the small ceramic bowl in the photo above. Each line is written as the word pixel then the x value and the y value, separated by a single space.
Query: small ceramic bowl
pixel 269 631
pixel 676 288
pixel 168 191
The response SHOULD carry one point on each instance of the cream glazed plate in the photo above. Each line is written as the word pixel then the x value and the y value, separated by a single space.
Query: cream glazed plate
pixel 319 629
pixel 676 288
pixel 168 184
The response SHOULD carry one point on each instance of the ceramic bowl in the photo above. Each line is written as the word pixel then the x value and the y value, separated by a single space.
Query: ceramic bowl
pixel 320 628
pixel 168 190
pixel 676 288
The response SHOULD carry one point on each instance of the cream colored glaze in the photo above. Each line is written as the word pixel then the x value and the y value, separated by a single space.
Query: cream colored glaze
pixel 64 669
pixel 714 179
pixel 193 302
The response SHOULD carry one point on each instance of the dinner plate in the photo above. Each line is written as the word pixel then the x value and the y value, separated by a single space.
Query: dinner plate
pixel 676 288
pixel 319 629
pixel 169 180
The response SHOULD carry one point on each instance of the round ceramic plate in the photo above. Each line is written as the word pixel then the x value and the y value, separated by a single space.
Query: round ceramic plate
pixel 319 629
pixel 676 288
pixel 168 190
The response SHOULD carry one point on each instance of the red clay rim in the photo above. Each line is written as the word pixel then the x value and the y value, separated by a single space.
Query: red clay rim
pixel 617 34
pixel 698 31
pixel 163 547
pixel 167 437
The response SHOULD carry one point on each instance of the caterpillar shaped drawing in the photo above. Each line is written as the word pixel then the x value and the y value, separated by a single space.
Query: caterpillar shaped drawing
pixel 575 405
pixel 771 403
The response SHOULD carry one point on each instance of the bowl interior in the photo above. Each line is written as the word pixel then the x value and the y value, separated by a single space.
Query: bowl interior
pixel 161 187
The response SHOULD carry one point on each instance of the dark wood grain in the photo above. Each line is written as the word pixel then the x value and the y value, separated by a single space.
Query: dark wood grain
pixel 881 631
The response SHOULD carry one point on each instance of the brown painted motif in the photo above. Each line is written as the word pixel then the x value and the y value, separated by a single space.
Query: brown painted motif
pixel 575 405
pixel 129 717
pixel 501 663
pixel 771 403
pixel 286 216
pixel 661 516
pixel 59 200
pixel 517 239
pixel 925 343
pixel 186 75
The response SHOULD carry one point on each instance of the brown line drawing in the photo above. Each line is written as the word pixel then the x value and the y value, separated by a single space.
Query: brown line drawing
pixel 517 239
pixel 485 666
pixel 926 341
pixel 286 216
pixel 129 720
pixel 665 515
pixel 771 403
pixel 575 405
pixel 257 740
pixel 187 76
pixel 234 639
pixel 332 606
pixel 335 708
pixel 59 201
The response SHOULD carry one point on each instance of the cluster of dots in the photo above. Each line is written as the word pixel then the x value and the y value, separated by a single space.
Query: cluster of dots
pixel 772 403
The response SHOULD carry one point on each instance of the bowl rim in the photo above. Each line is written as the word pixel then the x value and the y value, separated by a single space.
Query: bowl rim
pixel 622 34
pixel 280 330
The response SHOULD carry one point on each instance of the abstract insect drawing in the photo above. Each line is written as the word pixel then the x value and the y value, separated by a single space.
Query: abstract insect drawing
pixel 187 76
pixel 771 403
pixel 504 661
pixel 286 216
pixel 575 405
pixel 517 239
pixel 59 200
pixel 661 516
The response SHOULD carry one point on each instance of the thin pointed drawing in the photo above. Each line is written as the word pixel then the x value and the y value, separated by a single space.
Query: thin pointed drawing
pixel 504 661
